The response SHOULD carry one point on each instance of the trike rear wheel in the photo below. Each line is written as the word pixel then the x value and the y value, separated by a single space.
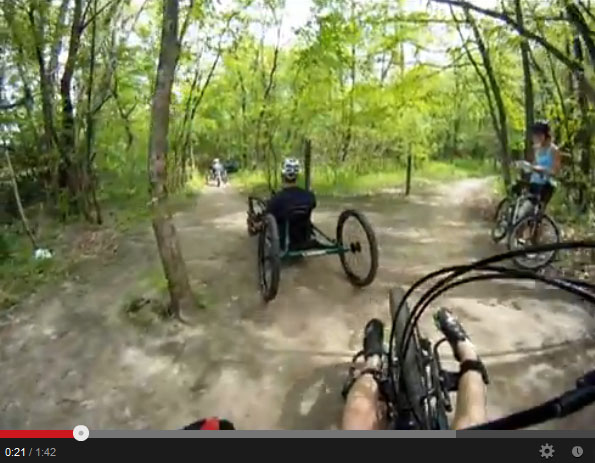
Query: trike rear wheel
pixel 269 258
pixel 360 261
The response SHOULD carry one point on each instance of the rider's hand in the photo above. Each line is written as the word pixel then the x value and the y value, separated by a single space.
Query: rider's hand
pixel 540 169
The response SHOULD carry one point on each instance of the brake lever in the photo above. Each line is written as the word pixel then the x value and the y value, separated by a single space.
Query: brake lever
pixel 586 380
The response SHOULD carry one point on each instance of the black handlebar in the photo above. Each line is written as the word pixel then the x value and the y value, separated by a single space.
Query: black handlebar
pixel 559 407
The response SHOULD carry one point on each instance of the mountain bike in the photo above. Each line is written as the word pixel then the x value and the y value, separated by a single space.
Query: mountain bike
pixel 415 385
pixel 522 219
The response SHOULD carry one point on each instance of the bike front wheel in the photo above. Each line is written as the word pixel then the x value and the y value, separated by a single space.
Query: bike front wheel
pixel 530 231
pixel 410 367
pixel 502 220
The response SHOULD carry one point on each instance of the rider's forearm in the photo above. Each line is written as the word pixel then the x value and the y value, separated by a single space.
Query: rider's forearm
pixel 471 400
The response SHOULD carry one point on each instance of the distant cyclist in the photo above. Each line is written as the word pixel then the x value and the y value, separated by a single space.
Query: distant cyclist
pixel 546 162
pixel 217 170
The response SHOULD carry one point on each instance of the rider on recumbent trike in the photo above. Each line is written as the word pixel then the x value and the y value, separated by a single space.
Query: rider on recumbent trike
pixel 289 199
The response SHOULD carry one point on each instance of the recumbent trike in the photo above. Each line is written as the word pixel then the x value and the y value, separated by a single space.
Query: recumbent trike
pixel 294 236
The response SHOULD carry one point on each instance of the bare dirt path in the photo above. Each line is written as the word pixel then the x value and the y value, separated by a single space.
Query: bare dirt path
pixel 69 356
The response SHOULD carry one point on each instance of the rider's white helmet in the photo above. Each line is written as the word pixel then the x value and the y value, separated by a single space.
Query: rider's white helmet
pixel 216 161
pixel 290 169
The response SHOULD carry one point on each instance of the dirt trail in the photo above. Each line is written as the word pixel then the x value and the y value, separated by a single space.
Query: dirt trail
pixel 69 357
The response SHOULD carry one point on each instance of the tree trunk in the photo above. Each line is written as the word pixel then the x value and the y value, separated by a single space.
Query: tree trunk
pixel 195 103
pixel 269 86
pixel 45 84
pixel 89 179
pixel 182 299
pixel 409 170
pixel 17 198
pixel 56 48
pixel 528 85
pixel 582 29
pixel 124 113
pixel 490 101
pixel 561 98
pixel 243 107
pixel 457 112
pixel 352 72
pixel 495 87
pixel 584 132
pixel 70 166
pixel 308 163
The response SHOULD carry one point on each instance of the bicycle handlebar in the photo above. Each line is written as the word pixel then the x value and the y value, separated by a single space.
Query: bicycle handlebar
pixel 529 168
pixel 523 165
pixel 559 407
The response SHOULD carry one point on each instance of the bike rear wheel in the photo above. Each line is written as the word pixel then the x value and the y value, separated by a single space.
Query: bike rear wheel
pixel 534 230
pixel 410 379
pixel 269 259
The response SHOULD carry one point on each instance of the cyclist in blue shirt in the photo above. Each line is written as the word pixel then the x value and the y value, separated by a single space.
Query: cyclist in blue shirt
pixel 546 162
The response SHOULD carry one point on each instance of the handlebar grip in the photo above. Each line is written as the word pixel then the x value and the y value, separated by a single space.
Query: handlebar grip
pixel 573 401
pixel 587 380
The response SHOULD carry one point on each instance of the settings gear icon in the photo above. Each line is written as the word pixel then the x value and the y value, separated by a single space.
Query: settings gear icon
pixel 547 451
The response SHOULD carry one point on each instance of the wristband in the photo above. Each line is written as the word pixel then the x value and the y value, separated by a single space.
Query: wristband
pixel 474 365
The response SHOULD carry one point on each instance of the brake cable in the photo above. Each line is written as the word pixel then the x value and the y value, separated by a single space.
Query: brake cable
pixel 484 264
pixel 508 274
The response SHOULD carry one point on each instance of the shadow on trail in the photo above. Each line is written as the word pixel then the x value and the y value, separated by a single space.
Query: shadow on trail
pixel 314 401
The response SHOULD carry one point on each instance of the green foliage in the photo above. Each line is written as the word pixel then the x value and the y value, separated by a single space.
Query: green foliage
pixel 5 249
pixel 348 180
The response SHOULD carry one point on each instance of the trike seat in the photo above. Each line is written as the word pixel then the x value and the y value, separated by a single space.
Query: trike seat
pixel 296 226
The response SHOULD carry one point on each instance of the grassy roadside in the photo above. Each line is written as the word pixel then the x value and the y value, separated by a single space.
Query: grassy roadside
pixel 74 241
pixel 328 181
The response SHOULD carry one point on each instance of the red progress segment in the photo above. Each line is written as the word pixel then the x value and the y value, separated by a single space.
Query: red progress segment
pixel 33 434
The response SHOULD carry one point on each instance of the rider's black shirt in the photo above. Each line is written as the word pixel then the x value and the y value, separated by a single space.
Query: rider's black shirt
pixel 286 201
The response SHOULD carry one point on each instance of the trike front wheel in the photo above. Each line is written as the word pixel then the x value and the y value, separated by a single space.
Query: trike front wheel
pixel 410 382
pixel 269 258
pixel 360 256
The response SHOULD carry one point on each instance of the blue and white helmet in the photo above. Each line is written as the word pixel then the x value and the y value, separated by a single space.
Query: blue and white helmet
pixel 290 169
